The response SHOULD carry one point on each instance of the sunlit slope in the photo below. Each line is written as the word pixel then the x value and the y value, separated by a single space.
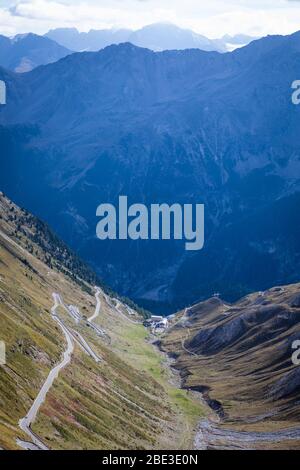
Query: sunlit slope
pixel 124 401
pixel 240 357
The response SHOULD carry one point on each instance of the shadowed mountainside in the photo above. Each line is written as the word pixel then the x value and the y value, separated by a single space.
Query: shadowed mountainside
pixel 128 121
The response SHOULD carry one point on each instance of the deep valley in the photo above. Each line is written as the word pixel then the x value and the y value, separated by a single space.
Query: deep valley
pixel 169 127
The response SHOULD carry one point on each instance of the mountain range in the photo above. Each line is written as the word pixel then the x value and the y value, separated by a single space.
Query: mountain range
pixel 157 37
pixel 174 126
pixel 25 52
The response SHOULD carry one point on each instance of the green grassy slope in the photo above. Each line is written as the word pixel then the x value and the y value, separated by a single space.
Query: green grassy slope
pixel 126 401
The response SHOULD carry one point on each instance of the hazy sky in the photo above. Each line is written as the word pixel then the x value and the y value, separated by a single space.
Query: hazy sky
pixel 212 18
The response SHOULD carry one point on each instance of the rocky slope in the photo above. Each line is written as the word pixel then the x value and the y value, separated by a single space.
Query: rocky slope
pixel 239 357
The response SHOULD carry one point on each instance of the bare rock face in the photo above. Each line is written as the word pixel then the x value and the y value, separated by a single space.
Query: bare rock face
pixel 265 321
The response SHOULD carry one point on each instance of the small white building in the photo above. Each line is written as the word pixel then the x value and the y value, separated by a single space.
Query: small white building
pixel 163 324
pixel 159 323
pixel 156 318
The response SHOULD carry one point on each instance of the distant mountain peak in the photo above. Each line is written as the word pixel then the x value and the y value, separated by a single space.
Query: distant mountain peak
pixel 24 52
pixel 156 36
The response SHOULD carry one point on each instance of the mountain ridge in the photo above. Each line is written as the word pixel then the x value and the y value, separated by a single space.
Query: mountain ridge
pixel 157 36
pixel 211 123
pixel 25 52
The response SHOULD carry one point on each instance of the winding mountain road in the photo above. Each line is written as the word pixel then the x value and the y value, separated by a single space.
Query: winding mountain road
pixel 71 336
pixel 98 306
pixel 117 307
pixel 84 345
pixel 26 423
pixel 116 304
